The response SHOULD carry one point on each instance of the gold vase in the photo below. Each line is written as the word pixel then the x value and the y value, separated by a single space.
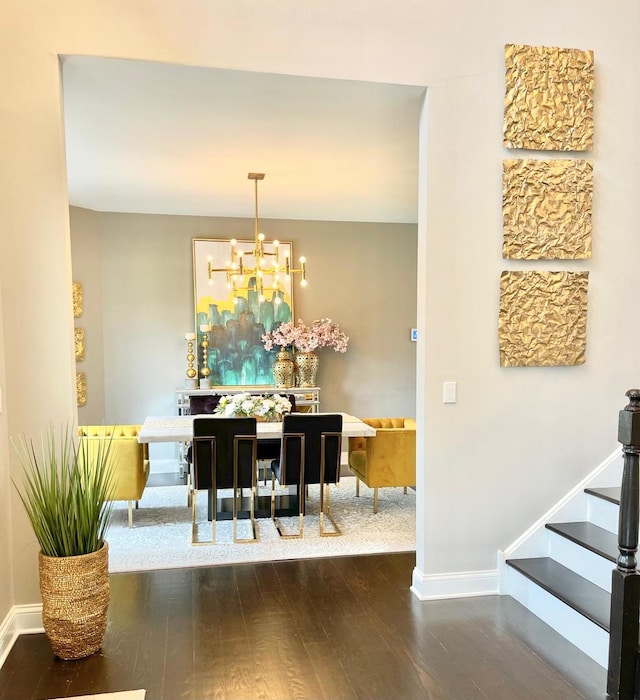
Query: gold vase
pixel 75 598
pixel 306 368
pixel 283 370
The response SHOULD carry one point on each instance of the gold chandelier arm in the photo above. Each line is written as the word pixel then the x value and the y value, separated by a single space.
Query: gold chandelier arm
pixel 264 263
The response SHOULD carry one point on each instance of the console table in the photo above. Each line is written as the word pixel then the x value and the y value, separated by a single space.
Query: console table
pixel 307 398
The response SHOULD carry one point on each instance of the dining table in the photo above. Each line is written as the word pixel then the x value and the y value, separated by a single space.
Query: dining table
pixel 180 429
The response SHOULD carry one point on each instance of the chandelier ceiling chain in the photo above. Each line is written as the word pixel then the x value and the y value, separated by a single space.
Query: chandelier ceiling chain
pixel 263 272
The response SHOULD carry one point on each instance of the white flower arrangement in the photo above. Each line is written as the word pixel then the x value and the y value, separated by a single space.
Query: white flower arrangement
pixel 270 408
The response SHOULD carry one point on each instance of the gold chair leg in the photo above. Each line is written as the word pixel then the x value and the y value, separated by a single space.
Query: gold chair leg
pixel 130 506
pixel 301 490
pixel 324 512
pixel 375 500
pixel 325 507
pixel 254 479
pixel 194 528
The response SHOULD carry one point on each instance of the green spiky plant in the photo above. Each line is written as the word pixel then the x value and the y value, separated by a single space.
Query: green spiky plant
pixel 66 492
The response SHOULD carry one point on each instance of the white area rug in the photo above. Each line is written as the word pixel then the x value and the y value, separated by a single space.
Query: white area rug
pixel 161 533
pixel 123 695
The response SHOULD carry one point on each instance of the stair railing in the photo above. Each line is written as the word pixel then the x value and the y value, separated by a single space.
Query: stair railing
pixel 622 674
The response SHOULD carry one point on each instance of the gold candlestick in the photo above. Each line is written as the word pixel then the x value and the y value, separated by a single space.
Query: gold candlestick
pixel 205 382
pixel 191 372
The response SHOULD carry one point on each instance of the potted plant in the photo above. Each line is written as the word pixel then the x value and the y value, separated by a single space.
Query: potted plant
pixel 65 492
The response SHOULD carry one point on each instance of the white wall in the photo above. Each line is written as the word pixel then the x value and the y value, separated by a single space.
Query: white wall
pixel 6 581
pixel 87 270
pixel 517 438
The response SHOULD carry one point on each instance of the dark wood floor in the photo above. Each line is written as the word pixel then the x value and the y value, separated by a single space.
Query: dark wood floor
pixel 326 628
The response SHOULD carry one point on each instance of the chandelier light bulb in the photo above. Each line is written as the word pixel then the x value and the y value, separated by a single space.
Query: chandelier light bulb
pixel 303 283
pixel 233 242
pixel 261 237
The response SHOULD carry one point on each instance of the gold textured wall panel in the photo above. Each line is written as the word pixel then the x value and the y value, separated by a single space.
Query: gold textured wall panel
pixel 546 209
pixel 548 103
pixel 81 388
pixel 543 318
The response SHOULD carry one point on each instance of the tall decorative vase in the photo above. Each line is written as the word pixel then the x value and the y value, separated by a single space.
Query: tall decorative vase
pixel 283 370
pixel 306 368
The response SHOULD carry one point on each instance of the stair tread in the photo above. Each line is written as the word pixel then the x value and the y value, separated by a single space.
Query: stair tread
pixel 607 493
pixel 595 539
pixel 583 596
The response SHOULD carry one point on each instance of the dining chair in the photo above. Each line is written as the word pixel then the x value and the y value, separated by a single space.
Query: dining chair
pixel 224 457
pixel 309 454
pixel 270 449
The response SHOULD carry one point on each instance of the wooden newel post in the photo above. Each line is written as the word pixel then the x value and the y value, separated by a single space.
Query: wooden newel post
pixel 622 681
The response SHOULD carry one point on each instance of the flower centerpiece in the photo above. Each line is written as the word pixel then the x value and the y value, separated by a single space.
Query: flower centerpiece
pixel 322 333
pixel 267 408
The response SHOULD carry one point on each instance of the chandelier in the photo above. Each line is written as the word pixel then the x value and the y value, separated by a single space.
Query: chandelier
pixel 260 269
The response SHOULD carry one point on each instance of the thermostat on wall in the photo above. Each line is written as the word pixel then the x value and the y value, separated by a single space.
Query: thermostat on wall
pixel 414 334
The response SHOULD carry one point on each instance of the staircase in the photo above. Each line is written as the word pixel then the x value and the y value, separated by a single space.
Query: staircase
pixel 561 568
pixel 577 567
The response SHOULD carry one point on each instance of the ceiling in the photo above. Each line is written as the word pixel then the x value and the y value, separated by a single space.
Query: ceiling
pixel 157 138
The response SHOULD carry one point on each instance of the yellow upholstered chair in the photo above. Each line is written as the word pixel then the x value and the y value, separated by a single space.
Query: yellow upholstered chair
pixel 130 459
pixel 388 459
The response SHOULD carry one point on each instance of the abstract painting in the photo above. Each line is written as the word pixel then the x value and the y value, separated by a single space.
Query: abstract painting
pixel 238 319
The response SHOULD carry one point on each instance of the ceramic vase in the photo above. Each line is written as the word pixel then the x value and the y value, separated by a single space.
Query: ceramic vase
pixel 306 368
pixel 283 370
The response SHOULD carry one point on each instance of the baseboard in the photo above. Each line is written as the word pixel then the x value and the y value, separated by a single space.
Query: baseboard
pixel 22 619
pixel 454 585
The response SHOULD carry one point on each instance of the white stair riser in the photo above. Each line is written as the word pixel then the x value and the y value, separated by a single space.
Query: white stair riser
pixel 582 561
pixel 582 633
pixel 603 513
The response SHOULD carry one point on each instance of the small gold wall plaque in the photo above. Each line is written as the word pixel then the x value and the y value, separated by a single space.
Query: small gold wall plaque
pixel 81 389
pixel 79 343
pixel 77 300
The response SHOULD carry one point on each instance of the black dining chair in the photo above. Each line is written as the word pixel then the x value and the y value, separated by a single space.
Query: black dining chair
pixel 224 457
pixel 269 449
pixel 310 454
pixel 198 405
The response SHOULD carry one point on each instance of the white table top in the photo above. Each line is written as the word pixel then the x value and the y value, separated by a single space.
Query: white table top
pixel 180 428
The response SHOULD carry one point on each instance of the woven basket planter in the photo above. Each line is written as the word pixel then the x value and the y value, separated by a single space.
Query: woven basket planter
pixel 75 598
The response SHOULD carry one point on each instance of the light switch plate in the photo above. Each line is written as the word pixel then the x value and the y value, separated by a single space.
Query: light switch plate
pixel 449 390
pixel 414 334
